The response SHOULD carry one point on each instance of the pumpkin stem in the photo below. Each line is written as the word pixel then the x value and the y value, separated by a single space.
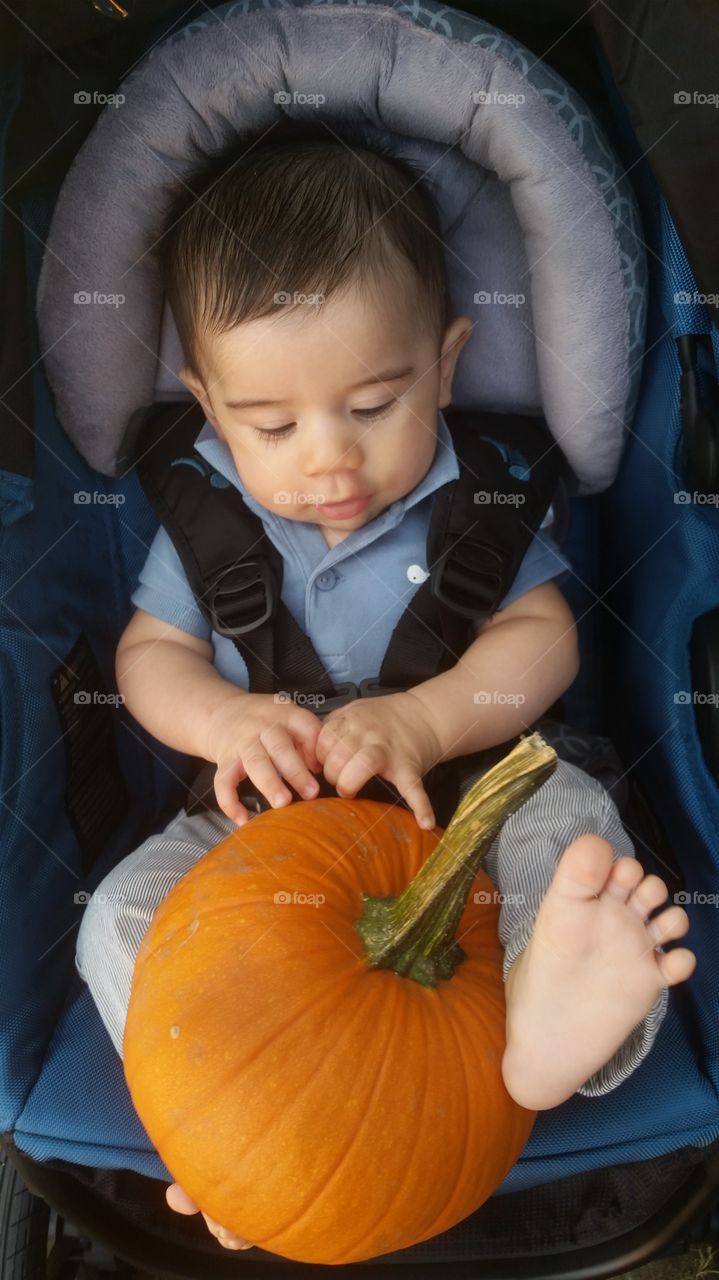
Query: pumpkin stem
pixel 414 932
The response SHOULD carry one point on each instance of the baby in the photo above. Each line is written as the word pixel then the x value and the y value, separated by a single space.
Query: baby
pixel 306 278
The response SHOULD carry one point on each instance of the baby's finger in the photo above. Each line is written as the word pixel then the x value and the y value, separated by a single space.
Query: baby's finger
pixel 305 727
pixel 287 760
pixel 409 785
pixel 178 1199
pixel 226 781
pixel 367 761
pixel 228 1239
pixel 262 772
pixel 336 759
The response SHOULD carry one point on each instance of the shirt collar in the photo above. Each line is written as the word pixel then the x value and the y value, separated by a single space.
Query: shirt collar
pixel 444 468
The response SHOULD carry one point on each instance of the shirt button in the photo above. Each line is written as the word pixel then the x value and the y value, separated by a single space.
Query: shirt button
pixel 327 580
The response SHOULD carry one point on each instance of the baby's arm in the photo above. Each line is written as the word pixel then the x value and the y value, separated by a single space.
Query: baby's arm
pixel 522 660
pixel 169 685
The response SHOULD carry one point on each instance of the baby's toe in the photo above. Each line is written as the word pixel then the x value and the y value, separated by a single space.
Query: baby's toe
pixel 625 876
pixel 583 868
pixel 669 924
pixel 676 965
pixel 650 893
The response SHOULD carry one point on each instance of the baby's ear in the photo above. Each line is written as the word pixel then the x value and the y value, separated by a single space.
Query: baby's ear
pixel 198 390
pixel 458 332
pixel 192 382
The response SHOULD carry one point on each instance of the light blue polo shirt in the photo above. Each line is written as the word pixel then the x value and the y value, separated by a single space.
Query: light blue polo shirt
pixel 348 598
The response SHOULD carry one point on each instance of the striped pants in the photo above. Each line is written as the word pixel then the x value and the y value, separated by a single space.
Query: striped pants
pixel 521 862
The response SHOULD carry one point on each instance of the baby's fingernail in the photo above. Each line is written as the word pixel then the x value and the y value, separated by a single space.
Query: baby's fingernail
pixel 310 789
pixel 427 822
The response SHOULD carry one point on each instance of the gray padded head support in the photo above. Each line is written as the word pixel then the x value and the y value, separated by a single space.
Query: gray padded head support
pixel 530 197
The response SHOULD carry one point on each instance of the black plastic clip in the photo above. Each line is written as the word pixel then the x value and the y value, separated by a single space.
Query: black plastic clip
pixel 241 597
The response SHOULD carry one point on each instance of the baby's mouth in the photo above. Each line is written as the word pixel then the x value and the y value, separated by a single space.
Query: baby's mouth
pixel 344 510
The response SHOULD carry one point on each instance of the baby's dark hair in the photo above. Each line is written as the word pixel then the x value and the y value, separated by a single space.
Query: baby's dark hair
pixel 296 212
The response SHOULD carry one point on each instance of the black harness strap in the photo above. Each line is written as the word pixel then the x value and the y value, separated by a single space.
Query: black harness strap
pixel 232 567
pixel 481 527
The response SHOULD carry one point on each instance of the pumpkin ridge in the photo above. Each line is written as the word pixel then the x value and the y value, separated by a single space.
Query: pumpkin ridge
pixel 297 1015
pixel 386 1065
pixel 459 1180
pixel 368 828
pixel 417 1128
pixel 318 874
pixel 312 874
pixel 220 1086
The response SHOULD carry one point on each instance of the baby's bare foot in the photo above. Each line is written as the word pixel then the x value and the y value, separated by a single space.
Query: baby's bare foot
pixel 182 1203
pixel 590 972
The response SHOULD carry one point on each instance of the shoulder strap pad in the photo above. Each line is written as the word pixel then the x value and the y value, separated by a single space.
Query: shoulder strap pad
pixel 208 522
pixel 509 469
pixel 233 568
pixel 480 528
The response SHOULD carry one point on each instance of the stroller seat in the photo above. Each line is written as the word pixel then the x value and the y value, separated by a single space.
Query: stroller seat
pixel 545 249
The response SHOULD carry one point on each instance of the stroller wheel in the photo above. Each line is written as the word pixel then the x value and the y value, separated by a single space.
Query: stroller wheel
pixel 24 1223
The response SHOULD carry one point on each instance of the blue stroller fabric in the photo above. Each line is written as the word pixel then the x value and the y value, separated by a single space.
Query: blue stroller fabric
pixel 67 566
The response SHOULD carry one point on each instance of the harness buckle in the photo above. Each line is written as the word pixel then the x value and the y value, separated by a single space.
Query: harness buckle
pixel 470 590
pixel 371 688
pixel 241 597
pixel 344 693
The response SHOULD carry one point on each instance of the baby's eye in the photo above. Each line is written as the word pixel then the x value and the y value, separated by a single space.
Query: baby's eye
pixel 278 433
pixel 274 436
pixel 380 412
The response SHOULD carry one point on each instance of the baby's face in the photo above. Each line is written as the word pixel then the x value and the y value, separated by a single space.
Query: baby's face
pixel 344 402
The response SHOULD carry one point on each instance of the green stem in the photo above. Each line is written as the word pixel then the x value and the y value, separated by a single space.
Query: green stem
pixel 414 932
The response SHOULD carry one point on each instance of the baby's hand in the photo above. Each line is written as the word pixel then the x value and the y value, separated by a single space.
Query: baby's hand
pixel 179 1200
pixel 253 736
pixel 392 736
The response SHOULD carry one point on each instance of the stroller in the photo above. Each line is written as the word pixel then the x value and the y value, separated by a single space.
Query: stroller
pixel 564 250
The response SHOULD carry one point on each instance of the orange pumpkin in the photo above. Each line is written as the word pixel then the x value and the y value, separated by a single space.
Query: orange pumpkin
pixel 328 1109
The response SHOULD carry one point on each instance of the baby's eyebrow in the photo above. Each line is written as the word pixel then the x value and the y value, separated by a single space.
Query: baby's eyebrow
pixel 389 375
